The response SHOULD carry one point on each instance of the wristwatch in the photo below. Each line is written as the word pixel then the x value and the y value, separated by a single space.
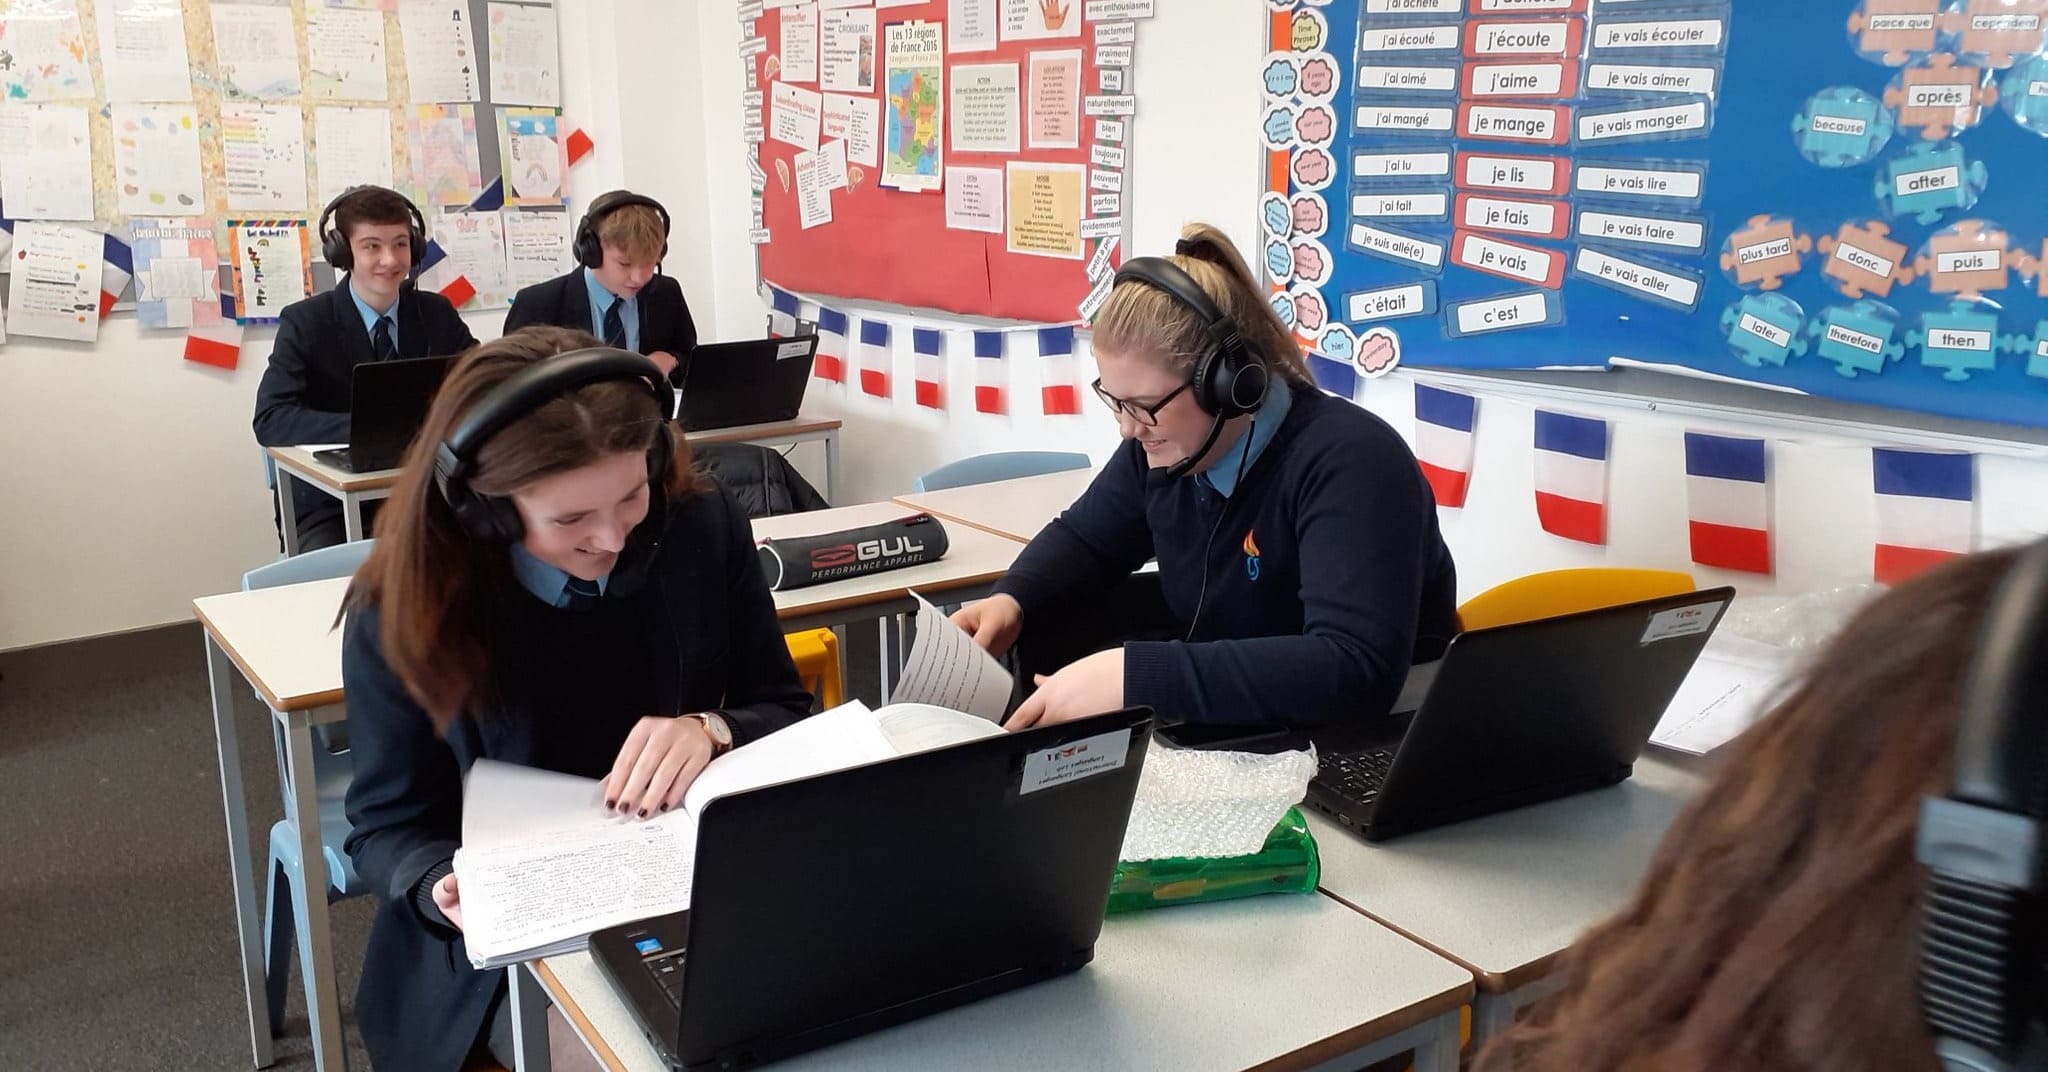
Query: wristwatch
pixel 714 727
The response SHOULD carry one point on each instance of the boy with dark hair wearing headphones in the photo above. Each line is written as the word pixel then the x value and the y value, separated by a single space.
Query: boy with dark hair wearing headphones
pixel 617 291
pixel 377 237
pixel 1301 571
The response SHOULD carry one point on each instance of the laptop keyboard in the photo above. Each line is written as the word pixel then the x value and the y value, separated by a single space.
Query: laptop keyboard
pixel 1356 775
pixel 667 970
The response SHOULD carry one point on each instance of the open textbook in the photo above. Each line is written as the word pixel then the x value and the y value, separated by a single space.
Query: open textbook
pixel 542 863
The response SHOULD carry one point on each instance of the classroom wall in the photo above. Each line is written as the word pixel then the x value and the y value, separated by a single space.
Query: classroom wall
pixel 132 483
pixel 1194 156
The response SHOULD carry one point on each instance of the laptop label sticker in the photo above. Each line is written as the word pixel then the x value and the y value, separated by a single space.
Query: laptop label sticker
pixel 1684 621
pixel 1075 760
pixel 792 349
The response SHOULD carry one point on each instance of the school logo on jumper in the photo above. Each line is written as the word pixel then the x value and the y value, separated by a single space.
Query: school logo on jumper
pixel 1251 555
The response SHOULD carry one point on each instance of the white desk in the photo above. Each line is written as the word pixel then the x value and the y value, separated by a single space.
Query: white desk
pixel 282 642
pixel 355 489
pixel 1505 894
pixel 1014 508
pixel 1266 983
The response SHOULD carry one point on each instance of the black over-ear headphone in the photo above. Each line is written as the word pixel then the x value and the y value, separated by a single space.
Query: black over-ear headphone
pixel 589 249
pixel 1229 380
pixel 334 245
pixel 494 518
pixel 1981 956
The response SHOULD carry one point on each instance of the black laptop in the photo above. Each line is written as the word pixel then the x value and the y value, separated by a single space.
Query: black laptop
pixel 759 381
pixel 830 907
pixel 1518 715
pixel 387 403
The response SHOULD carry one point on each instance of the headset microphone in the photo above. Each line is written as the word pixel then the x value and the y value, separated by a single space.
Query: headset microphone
pixel 1180 468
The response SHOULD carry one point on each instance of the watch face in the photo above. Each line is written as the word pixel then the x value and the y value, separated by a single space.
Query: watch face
pixel 721 734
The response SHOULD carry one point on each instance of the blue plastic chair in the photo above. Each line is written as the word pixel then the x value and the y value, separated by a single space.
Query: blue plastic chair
pixel 1002 465
pixel 332 770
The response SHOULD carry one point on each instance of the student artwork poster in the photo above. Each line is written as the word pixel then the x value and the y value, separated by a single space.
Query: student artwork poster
pixel 177 276
pixel 957 93
pixel 271 263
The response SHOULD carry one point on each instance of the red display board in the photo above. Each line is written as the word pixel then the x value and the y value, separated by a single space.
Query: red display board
pixel 891 245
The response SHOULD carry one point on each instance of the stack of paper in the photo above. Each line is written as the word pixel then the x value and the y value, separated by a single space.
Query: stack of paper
pixel 1726 692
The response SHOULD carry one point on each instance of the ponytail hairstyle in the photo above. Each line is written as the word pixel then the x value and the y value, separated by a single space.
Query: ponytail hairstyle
pixel 441 589
pixel 1149 320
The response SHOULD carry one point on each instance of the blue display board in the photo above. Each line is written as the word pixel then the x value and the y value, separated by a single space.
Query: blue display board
pixel 1846 198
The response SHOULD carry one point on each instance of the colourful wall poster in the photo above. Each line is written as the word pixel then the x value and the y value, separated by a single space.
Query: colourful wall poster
pixel 271 262
pixel 530 156
pixel 177 271
pixel 446 169
pixel 913 126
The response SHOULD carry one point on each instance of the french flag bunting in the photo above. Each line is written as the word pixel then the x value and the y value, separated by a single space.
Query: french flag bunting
pixel 874 357
pixel 578 145
pixel 1444 425
pixel 930 382
pixel 492 199
pixel 1059 395
pixel 781 313
pixel 1926 510
pixel 1728 500
pixel 429 257
pixel 1571 476
pixel 831 360
pixel 441 275
pixel 218 344
pixel 990 383
pixel 115 273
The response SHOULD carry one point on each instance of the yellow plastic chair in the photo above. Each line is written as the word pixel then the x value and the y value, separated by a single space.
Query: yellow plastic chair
pixel 816 654
pixel 1567 591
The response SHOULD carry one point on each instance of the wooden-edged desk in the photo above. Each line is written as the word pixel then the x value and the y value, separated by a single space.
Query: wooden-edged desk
pixel 1504 895
pixel 282 642
pixel 1015 508
pixel 1267 983
pixel 355 489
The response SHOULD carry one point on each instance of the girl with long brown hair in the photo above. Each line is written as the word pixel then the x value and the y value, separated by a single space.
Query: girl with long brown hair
pixel 1779 925
pixel 552 586
pixel 1301 570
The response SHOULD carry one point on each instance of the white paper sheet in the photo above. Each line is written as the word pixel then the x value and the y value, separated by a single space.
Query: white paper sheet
pixel 156 159
pixel 525 58
pixel 846 50
pixel 440 51
pixel 974 199
pixel 345 55
pixel 983 114
pixel 914 727
pixel 971 25
pixel 46 52
pixel 799 40
pixel 1036 20
pixel 475 244
pixel 537 246
pixel 257 50
pixel 832 164
pixel 846 736
pixel 813 195
pixel 946 668
pixel 859 121
pixel 142 51
pixel 263 150
pixel 1055 112
pixel 352 147
pixel 795 115
pixel 1723 695
pixel 46 162
pixel 271 261
pixel 53 291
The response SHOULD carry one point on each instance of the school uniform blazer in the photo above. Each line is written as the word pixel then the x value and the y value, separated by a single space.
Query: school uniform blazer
pixel 420 1005
pixel 320 340
pixel 564 302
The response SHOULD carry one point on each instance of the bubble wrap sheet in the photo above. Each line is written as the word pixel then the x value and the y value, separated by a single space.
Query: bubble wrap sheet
pixel 1200 803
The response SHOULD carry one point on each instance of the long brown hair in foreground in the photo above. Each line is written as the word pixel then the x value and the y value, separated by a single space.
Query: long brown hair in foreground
pixel 1149 320
pixel 1779 925
pixel 436 585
